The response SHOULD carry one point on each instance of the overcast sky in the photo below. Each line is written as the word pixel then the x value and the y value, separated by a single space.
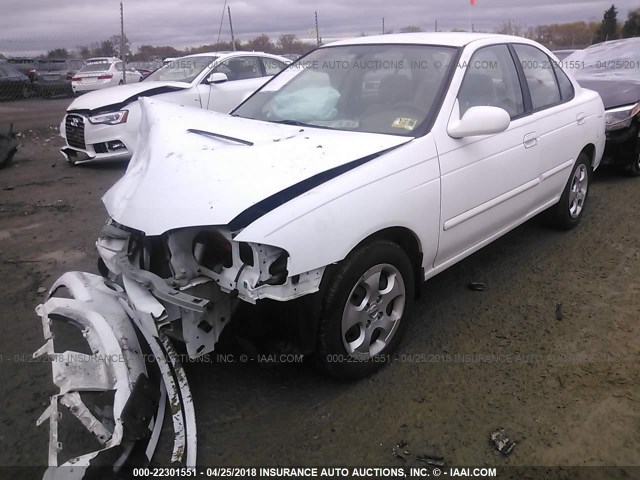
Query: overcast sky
pixel 39 25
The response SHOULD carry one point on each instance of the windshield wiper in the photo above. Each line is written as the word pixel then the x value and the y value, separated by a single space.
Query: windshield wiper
pixel 301 124
pixel 219 135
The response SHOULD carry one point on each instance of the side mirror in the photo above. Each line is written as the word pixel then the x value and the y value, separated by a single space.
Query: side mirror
pixel 480 121
pixel 217 77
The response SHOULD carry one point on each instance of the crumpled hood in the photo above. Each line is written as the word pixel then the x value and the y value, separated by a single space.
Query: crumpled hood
pixel 122 94
pixel 178 178
pixel 614 92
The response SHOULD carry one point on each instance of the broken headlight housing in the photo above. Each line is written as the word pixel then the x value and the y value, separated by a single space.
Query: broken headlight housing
pixel 112 118
pixel 619 118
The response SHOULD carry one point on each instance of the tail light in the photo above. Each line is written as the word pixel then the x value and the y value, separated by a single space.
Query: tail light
pixel 107 76
pixel 76 79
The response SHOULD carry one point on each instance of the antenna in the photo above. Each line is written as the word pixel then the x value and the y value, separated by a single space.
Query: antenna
pixel 220 29
pixel 383 25
pixel 317 31
pixel 233 40
pixel 216 49
pixel 123 57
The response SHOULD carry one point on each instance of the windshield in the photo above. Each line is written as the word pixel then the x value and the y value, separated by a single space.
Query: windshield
pixel 615 59
pixel 365 88
pixel 181 70
pixel 96 66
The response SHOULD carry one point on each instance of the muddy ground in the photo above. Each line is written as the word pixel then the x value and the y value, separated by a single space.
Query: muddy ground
pixel 566 390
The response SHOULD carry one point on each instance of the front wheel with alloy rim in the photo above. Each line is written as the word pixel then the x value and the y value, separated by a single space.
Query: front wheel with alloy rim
pixel 568 211
pixel 364 310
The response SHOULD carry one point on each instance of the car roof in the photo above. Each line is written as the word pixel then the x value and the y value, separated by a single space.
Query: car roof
pixel 227 54
pixel 449 39
pixel 635 41
pixel 103 59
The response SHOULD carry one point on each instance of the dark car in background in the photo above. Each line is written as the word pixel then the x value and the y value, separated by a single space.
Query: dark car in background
pixel 144 72
pixel 13 84
pixel 613 70
pixel 53 76
pixel 25 65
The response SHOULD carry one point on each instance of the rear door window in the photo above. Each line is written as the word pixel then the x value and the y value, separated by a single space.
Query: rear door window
pixel 541 79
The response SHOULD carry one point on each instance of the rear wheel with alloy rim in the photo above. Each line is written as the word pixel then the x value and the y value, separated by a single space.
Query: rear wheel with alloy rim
pixel 365 309
pixel 568 211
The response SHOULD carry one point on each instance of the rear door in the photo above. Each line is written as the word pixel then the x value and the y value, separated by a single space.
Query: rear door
pixel 561 122
pixel 488 181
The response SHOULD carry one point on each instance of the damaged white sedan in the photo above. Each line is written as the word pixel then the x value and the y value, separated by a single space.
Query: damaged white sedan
pixel 357 173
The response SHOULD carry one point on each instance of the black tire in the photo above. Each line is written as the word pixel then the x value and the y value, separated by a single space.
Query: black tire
pixel 563 214
pixel 633 169
pixel 343 287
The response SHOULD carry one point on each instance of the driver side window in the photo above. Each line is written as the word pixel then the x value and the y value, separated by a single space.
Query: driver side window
pixel 491 80
pixel 239 68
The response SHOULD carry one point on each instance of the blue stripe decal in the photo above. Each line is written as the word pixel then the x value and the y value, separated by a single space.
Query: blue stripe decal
pixel 274 201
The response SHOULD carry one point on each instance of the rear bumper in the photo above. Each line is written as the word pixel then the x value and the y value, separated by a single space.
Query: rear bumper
pixel 40 87
pixel 90 86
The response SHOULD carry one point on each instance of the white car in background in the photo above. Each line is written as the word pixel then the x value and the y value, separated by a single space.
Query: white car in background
pixel 103 125
pixel 102 72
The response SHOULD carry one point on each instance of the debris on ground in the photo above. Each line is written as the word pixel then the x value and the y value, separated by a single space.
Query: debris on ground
pixel 401 451
pixel 8 146
pixel 558 311
pixel 477 286
pixel 502 442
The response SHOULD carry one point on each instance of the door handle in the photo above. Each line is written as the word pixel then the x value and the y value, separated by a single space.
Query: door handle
pixel 581 118
pixel 530 140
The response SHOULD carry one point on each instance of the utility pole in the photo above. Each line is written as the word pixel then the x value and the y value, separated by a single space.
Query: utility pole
pixel 317 31
pixel 233 39
pixel 123 57
pixel 383 25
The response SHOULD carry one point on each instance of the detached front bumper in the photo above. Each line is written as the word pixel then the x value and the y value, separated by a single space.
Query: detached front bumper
pixel 113 328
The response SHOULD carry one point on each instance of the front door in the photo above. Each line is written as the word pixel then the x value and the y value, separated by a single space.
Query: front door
pixel 487 181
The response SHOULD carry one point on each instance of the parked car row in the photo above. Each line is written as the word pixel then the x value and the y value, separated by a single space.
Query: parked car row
pixel 54 77
pixel 47 77
pixel 103 125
